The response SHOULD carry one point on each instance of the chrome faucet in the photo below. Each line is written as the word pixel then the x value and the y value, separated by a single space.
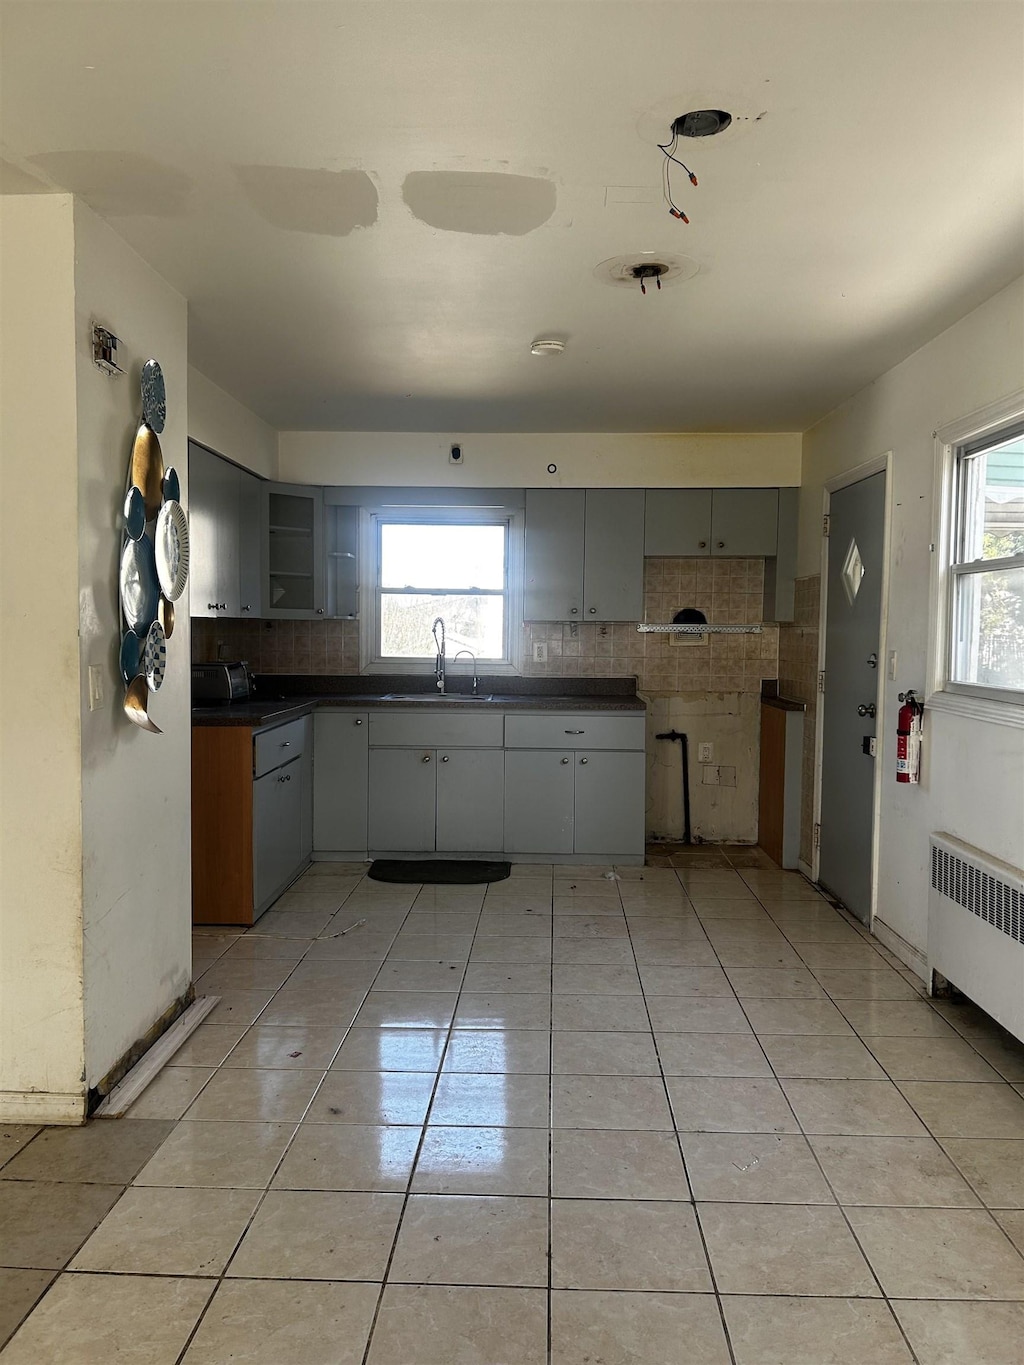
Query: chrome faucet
pixel 476 680
pixel 439 664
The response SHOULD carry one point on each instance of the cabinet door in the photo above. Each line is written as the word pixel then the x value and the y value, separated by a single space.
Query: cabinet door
pixel 341 535
pixel 609 808
pixel 250 506
pixel 277 817
pixel 400 818
pixel 213 534
pixel 538 801
pixel 553 589
pixel 470 800
pixel 306 789
pixel 293 551
pixel 613 576
pixel 744 521
pixel 677 521
pixel 339 781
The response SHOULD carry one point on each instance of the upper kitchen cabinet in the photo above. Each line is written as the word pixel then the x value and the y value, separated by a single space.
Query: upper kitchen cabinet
pixel 224 518
pixel 584 554
pixel 293 551
pixel 724 522
pixel 341 532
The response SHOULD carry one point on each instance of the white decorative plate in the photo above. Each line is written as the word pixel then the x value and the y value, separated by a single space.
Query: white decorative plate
pixel 140 592
pixel 154 657
pixel 172 550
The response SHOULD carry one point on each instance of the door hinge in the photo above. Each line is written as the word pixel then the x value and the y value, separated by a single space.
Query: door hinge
pixel 817 836
pixel 826 523
pixel 821 681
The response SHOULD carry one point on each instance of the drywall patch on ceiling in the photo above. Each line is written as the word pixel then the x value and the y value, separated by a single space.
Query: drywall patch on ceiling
pixel 328 203
pixel 15 180
pixel 483 202
pixel 118 184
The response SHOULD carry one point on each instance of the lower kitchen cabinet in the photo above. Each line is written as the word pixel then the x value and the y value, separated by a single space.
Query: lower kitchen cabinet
pixel 470 800
pixel 609 803
pixel 340 751
pixel 591 804
pixel 538 801
pixel 401 800
pixel 432 800
pixel 251 817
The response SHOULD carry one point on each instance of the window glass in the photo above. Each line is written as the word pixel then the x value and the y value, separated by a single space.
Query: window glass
pixel 415 555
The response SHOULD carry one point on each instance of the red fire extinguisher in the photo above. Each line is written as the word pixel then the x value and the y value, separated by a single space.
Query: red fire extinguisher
pixel 908 738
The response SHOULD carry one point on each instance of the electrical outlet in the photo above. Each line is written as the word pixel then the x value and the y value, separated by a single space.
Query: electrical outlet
pixel 705 753
pixel 540 652
pixel 710 775
pixel 95 687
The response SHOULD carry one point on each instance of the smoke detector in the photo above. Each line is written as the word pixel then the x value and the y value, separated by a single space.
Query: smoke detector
pixel 547 346
pixel 642 269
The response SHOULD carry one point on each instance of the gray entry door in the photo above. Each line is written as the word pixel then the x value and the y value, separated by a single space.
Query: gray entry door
pixel 852 630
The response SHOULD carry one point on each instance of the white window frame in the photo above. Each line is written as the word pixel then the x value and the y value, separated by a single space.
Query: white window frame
pixel 371 660
pixel 1003 706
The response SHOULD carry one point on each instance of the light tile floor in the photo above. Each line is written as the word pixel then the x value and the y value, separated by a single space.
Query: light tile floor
pixel 685 1113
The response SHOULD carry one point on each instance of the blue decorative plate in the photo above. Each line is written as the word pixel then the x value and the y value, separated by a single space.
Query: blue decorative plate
pixel 172 486
pixel 131 655
pixel 154 397
pixel 134 513
pixel 140 588
pixel 154 657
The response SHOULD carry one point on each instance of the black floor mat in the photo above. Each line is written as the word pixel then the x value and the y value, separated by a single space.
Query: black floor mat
pixel 446 871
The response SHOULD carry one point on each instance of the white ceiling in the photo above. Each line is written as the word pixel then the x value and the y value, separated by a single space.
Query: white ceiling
pixel 868 194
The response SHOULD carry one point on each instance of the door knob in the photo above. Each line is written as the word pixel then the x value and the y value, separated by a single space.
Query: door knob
pixel 867 709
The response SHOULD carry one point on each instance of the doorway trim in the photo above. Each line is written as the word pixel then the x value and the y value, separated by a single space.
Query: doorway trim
pixel 878 465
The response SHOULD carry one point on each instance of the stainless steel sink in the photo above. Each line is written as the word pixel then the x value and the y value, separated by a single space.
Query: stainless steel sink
pixel 434 697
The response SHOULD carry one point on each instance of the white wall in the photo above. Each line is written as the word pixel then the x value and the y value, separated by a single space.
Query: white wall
pixel 973 773
pixel 224 425
pixel 497 460
pixel 41 1036
pixel 136 787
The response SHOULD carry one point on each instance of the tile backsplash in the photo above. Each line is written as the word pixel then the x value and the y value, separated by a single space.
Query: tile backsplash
pixel 728 591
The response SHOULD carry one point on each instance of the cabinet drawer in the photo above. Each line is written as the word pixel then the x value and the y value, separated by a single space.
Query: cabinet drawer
pixel 280 745
pixel 443 729
pixel 580 731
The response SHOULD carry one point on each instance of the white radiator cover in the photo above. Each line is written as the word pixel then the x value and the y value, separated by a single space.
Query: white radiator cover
pixel 976 928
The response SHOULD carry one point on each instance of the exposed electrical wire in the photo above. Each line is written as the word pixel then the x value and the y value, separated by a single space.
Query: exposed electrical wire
pixel 668 150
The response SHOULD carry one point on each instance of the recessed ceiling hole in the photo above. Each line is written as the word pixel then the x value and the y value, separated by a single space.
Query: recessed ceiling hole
pixel 701 123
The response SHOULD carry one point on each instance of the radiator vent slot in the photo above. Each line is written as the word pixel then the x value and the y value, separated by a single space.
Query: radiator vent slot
pixel 972 888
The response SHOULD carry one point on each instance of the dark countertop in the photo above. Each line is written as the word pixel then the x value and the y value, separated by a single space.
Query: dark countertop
pixel 279 699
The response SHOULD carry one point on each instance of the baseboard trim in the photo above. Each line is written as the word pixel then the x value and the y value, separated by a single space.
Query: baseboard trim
pixel 42 1106
pixel 128 1090
pixel 906 952
pixel 805 869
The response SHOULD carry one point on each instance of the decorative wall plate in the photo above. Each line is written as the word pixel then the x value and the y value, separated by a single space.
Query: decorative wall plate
pixel 171 544
pixel 165 615
pixel 172 485
pixel 154 398
pixel 146 469
pixel 136 699
pixel 134 513
pixel 131 655
pixel 154 657
pixel 140 589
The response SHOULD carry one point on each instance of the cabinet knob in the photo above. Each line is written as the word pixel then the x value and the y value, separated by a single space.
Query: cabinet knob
pixel 565 760
pixel 359 722
pixel 426 758
pixel 721 544
pixel 584 760
pixel 702 545
pixel 286 744
pixel 319 611
pixel 444 758
pixel 247 607
pixel 575 732
pixel 593 611
pixel 573 611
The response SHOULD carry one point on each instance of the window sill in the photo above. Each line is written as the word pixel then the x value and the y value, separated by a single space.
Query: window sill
pixel 978 708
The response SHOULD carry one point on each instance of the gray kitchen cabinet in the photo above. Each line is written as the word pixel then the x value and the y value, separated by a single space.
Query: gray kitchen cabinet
pixel 306 808
pixel 293 551
pixel 402 795
pixel 613 555
pixel 470 800
pixel 277 830
pixel 744 521
pixel 553 587
pixel 677 521
pixel 608 815
pixel 341 533
pixel 584 554
pixel 539 801
pixel 340 774
pixel 780 570
pixel 224 534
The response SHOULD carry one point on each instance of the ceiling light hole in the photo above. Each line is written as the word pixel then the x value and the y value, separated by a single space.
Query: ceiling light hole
pixel 701 123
